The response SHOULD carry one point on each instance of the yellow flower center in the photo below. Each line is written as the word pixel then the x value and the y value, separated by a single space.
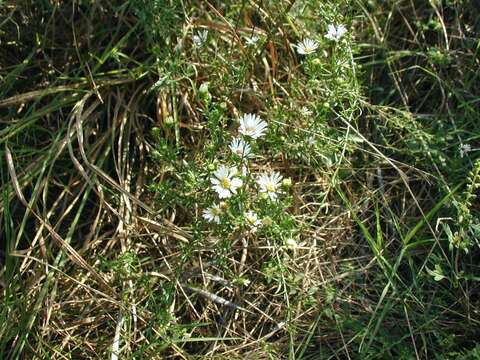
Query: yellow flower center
pixel 271 187
pixel 225 183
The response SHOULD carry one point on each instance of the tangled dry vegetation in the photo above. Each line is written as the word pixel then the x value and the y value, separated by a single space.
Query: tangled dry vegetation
pixel 115 115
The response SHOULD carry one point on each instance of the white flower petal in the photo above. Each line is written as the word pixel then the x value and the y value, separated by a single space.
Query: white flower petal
pixel 335 33
pixel 251 125
pixel 223 193
pixel 236 183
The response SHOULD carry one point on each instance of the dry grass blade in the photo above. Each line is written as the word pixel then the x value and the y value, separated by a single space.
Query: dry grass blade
pixel 71 252
pixel 38 94
pixel 217 299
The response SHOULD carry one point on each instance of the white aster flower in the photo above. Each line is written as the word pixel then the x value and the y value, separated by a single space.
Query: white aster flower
pixel 306 47
pixel 241 148
pixel 213 213
pixel 306 111
pixel 203 89
pixel 200 38
pixel 252 219
pixel 335 33
pixel 252 125
pixel 270 184
pixel 224 181
pixel 252 40
pixel 311 140
pixel 464 149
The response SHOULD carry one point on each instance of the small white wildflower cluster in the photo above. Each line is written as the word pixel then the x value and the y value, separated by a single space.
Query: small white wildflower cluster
pixel 309 46
pixel 464 149
pixel 252 40
pixel 335 33
pixel 227 181
pixel 305 111
pixel 251 127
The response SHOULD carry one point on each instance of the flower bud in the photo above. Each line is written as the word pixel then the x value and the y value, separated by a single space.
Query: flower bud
pixel 291 244
pixel 267 221
pixel 264 196
pixel 223 205
pixel 203 89
pixel 287 182
pixel 169 120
